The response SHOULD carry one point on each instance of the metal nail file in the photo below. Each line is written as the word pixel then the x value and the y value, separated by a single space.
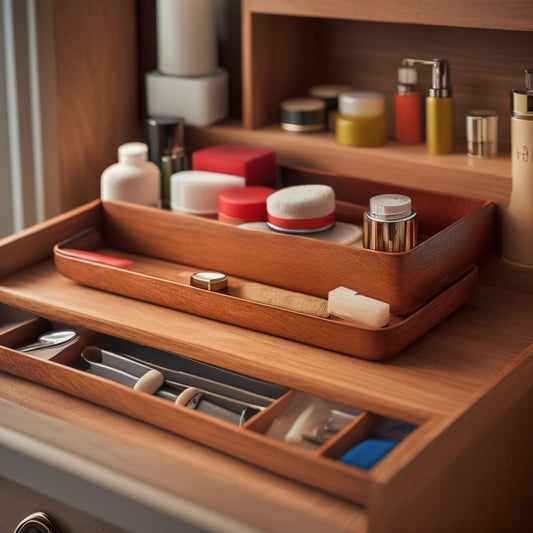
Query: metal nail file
pixel 179 378
pixel 226 409
pixel 121 369
pixel 116 368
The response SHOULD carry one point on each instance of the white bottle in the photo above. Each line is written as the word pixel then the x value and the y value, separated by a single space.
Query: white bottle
pixel 133 179
pixel 517 236
pixel 186 37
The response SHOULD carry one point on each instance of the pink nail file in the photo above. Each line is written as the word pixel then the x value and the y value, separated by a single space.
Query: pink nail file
pixel 98 258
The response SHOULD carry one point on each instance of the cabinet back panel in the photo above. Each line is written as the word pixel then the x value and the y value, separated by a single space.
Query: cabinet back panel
pixel 485 64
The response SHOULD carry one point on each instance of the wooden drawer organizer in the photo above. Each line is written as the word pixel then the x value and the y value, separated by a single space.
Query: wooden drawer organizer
pixel 318 467
pixel 423 285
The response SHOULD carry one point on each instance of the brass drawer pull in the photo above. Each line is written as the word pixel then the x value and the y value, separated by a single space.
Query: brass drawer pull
pixel 37 523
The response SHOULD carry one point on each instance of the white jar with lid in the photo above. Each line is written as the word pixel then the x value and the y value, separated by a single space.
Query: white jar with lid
pixel 361 120
pixel 133 179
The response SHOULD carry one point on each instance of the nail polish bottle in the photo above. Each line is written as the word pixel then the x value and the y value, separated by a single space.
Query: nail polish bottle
pixel 408 107
pixel 517 236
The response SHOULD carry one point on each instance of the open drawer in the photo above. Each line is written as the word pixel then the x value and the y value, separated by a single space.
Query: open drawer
pixel 322 443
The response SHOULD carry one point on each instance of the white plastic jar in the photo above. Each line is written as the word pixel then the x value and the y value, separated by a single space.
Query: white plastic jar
pixel 133 179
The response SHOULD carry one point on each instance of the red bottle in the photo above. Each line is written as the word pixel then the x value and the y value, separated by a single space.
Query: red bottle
pixel 407 108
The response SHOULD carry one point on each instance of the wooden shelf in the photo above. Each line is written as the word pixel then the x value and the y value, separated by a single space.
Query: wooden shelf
pixel 494 14
pixel 412 166
pixel 289 46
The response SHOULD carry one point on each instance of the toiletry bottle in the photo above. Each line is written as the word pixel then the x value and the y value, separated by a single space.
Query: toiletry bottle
pixel 517 236
pixel 407 107
pixel 167 151
pixel 439 110
pixel 439 107
pixel 186 37
pixel 133 179
pixel 390 224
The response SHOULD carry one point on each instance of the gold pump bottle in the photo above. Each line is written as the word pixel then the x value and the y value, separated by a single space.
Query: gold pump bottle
pixel 517 235
pixel 439 110
pixel 439 106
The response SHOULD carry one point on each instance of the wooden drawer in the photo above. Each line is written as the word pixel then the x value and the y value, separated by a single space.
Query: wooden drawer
pixel 292 433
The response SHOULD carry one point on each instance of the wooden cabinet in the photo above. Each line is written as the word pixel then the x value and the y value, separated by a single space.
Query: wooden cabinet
pixel 290 46
pixel 465 385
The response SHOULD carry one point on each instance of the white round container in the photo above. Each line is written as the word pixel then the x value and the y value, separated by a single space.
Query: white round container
pixel 133 179
pixel 195 192
pixel 362 103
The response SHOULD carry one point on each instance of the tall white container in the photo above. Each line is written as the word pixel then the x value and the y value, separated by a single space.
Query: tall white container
pixel 186 37
pixel 133 179
pixel 517 236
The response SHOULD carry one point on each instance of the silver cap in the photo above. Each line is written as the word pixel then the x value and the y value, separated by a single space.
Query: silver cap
pixel 482 133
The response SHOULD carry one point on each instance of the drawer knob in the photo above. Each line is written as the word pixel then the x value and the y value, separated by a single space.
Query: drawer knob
pixel 37 523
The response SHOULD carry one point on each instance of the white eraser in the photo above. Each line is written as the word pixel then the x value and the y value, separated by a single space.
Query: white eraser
pixel 200 100
pixel 346 303
pixel 196 191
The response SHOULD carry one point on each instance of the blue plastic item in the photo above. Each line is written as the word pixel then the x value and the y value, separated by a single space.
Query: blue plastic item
pixel 367 453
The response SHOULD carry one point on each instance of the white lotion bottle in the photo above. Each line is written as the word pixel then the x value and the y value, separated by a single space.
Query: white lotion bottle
pixel 133 179
pixel 517 235
pixel 186 37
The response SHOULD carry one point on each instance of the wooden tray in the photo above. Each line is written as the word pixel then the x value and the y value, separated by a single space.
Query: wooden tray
pixel 166 248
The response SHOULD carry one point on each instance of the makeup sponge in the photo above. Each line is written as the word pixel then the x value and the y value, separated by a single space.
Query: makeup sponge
pixel 301 209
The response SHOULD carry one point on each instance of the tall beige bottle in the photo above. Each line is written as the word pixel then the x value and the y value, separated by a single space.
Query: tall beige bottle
pixel 517 236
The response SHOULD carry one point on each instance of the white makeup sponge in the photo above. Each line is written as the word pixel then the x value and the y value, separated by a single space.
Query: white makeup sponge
pixel 301 208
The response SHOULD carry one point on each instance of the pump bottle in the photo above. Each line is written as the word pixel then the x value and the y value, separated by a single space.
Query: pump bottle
pixel 517 235
pixel 439 107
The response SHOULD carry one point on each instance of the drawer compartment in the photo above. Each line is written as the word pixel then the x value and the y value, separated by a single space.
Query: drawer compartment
pixel 336 429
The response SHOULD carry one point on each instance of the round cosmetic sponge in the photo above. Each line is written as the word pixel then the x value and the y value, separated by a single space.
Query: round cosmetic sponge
pixel 301 209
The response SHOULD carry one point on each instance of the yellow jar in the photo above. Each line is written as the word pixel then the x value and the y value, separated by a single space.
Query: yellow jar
pixel 361 120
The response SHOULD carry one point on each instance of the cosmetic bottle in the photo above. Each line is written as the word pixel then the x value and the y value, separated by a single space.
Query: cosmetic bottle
pixel 361 120
pixel 407 107
pixel 186 37
pixel 439 110
pixel 390 224
pixel 133 179
pixel 439 106
pixel 167 150
pixel 517 236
